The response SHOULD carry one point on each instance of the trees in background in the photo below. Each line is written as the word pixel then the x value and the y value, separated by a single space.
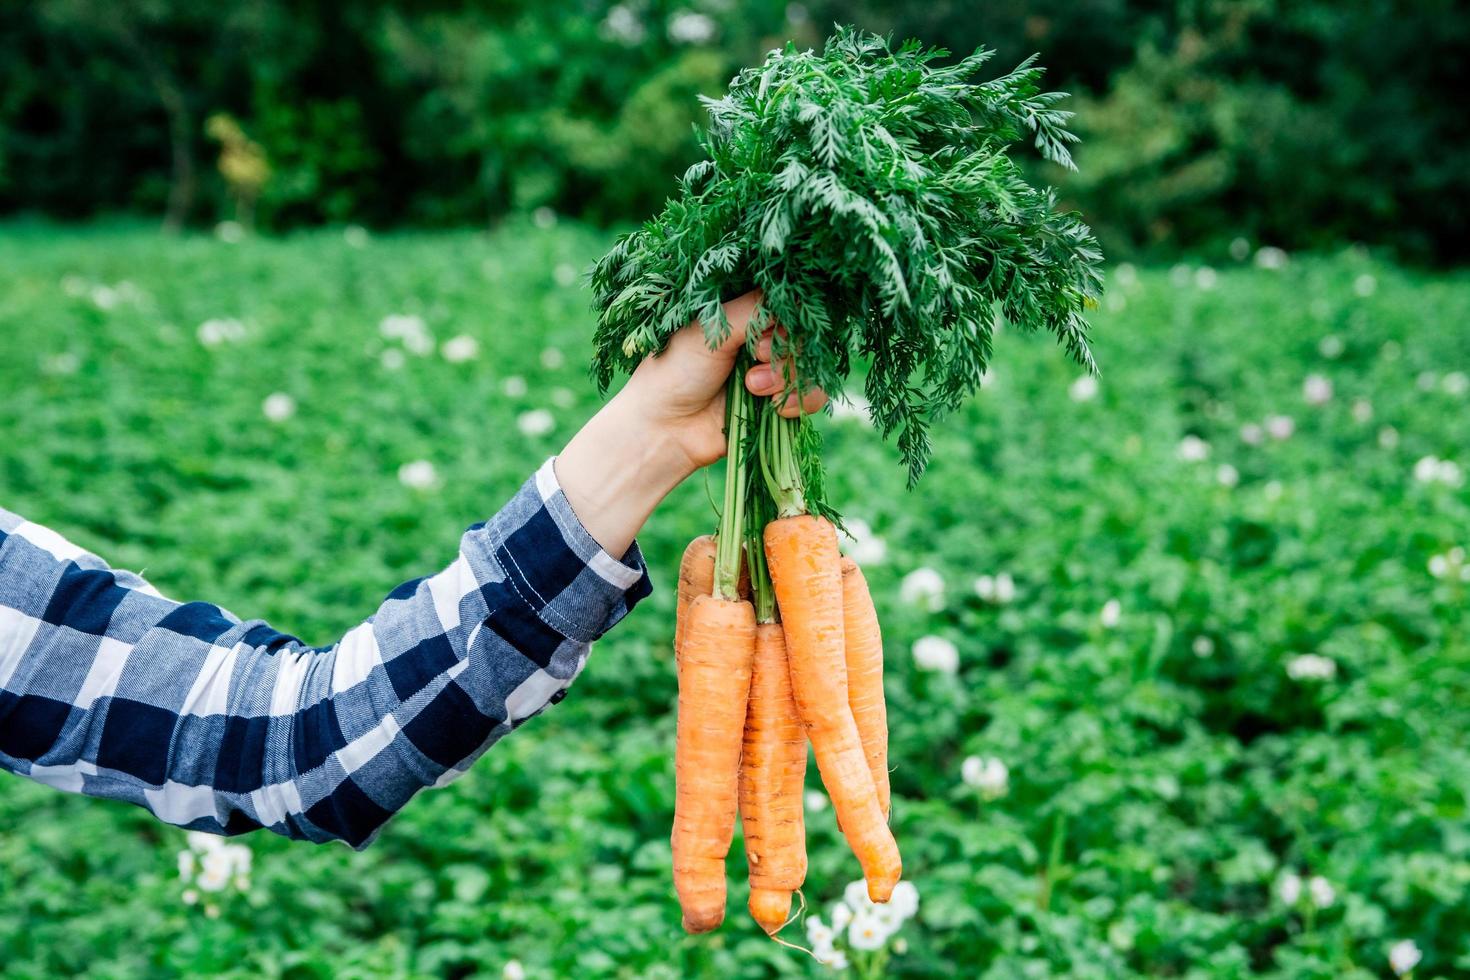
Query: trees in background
pixel 1294 122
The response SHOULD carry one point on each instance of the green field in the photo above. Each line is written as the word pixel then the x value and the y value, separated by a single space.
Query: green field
pixel 1170 767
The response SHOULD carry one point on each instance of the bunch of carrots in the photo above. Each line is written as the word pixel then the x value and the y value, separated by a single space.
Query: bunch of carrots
pixel 868 192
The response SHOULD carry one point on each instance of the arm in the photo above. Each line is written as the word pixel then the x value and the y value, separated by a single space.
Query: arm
pixel 109 689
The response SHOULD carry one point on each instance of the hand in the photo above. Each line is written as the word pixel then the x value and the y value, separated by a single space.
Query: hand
pixel 667 422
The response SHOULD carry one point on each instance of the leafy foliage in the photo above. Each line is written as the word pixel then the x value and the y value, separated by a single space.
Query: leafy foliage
pixel 870 194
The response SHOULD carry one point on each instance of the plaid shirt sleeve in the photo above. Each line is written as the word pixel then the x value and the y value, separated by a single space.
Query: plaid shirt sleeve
pixel 109 689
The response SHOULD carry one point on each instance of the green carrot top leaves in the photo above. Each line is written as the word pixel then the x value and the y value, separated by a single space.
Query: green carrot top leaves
pixel 869 194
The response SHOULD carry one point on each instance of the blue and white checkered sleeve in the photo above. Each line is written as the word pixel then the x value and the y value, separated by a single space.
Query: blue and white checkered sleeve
pixel 109 689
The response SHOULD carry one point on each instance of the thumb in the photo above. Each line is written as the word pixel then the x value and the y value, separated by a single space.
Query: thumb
pixel 738 313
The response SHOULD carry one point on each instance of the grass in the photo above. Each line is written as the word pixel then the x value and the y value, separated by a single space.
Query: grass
pixel 1166 773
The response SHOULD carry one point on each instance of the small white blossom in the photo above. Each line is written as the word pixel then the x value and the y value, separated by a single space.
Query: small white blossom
pixel 860 543
pixel 1316 390
pixel 1331 347
pixel 623 26
pixel 513 970
pixel 1000 588
pixel 867 932
pixel 1240 249
pixel 563 397
pixel 1427 381
pixel 355 236
pixel 565 274
pixel 514 386
pixel 815 801
pixel 1362 411
pixel 1404 955
pixel 419 475
pixel 190 896
pixel 1388 437
pixel 1084 389
pixel 1289 888
pixel 543 217
pixel 1111 615
pixel 818 932
pixel 841 915
pixel 1449 473
pixel 229 232
pixel 1430 469
pixel 1280 427
pixel 1322 892
pixel 833 958
pixel 1273 490
pixel 688 27
pixel 1227 475
pixel 1203 646
pixel 103 297
pixel 536 422
pixel 1365 285
pixel 211 911
pixel 457 350
pixel 1252 434
pixel 391 359
pixel 924 588
pixel 1270 257
pixel 278 406
pixel 987 774
pixel 1455 383
pixel 221 330
pixel 552 358
pixel 1439 566
pixel 1193 449
pixel 905 899
pixel 937 654
pixel 213 880
pixel 1311 667
pixel 187 864
pixel 408 329
pixel 1205 278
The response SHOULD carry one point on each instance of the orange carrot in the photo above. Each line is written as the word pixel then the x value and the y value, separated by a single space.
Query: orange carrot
pixel 864 642
pixel 807 576
pixel 714 685
pixel 772 773
pixel 696 578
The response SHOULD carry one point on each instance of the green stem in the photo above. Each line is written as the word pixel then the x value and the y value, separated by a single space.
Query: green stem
pixel 732 516
pixel 759 511
pixel 779 465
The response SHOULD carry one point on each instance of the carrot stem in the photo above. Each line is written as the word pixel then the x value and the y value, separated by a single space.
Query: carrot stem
pixel 731 535
pixel 779 464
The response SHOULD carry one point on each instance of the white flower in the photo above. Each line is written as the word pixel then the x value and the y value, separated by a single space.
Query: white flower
pixel 203 842
pixel 392 359
pixel 1388 437
pixel 562 397
pixel 240 857
pixel 1203 646
pixel 278 406
pixel 1455 383
pixel 841 916
pixel 213 880
pixel 1439 566
pixel 1240 249
pixel 1426 470
pixel 536 422
pixel 851 406
pixel 1193 449
pixel 419 475
pixel 1365 284
pixel 622 25
pixel 457 350
pixel 1252 434
pixel 817 932
pixel 1322 892
pixel 211 911
pixel 190 896
pixel 836 959
pixel 565 274
pixel 214 332
pixel 543 217
pixel 1362 411
pixel 1084 389
pixel 860 543
pixel 1273 490
pixel 229 232
pixel 1280 426
pixel 1205 278
pixel 1404 955
pixel 1331 347
pixel 104 297
pixel 987 774
pixel 552 358
pixel 856 896
pixel 1448 473
pixel 1426 380
pixel 905 899
pixel 688 27
pixel 1316 390
pixel 513 970
pixel 355 236
pixel 1311 667
pixel 187 864
pixel 408 329
pixel 937 654
pixel 514 386
pixel 1270 257
pixel 1289 889
pixel 924 588
pixel 999 588
pixel 815 801
pixel 1111 615
pixel 1227 475
pixel 867 932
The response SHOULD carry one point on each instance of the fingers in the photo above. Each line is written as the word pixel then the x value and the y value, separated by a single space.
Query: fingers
pixel 769 380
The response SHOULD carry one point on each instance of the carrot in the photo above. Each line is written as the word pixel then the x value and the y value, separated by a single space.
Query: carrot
pixel 864 642
pixel 714 685
pixel 805 570
pixel 696 578
pixel 772 773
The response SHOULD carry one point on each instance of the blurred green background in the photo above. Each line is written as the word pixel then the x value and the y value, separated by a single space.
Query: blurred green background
pixel 1176 660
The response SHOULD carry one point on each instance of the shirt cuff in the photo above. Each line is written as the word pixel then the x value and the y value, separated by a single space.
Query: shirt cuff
pixel 573 585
